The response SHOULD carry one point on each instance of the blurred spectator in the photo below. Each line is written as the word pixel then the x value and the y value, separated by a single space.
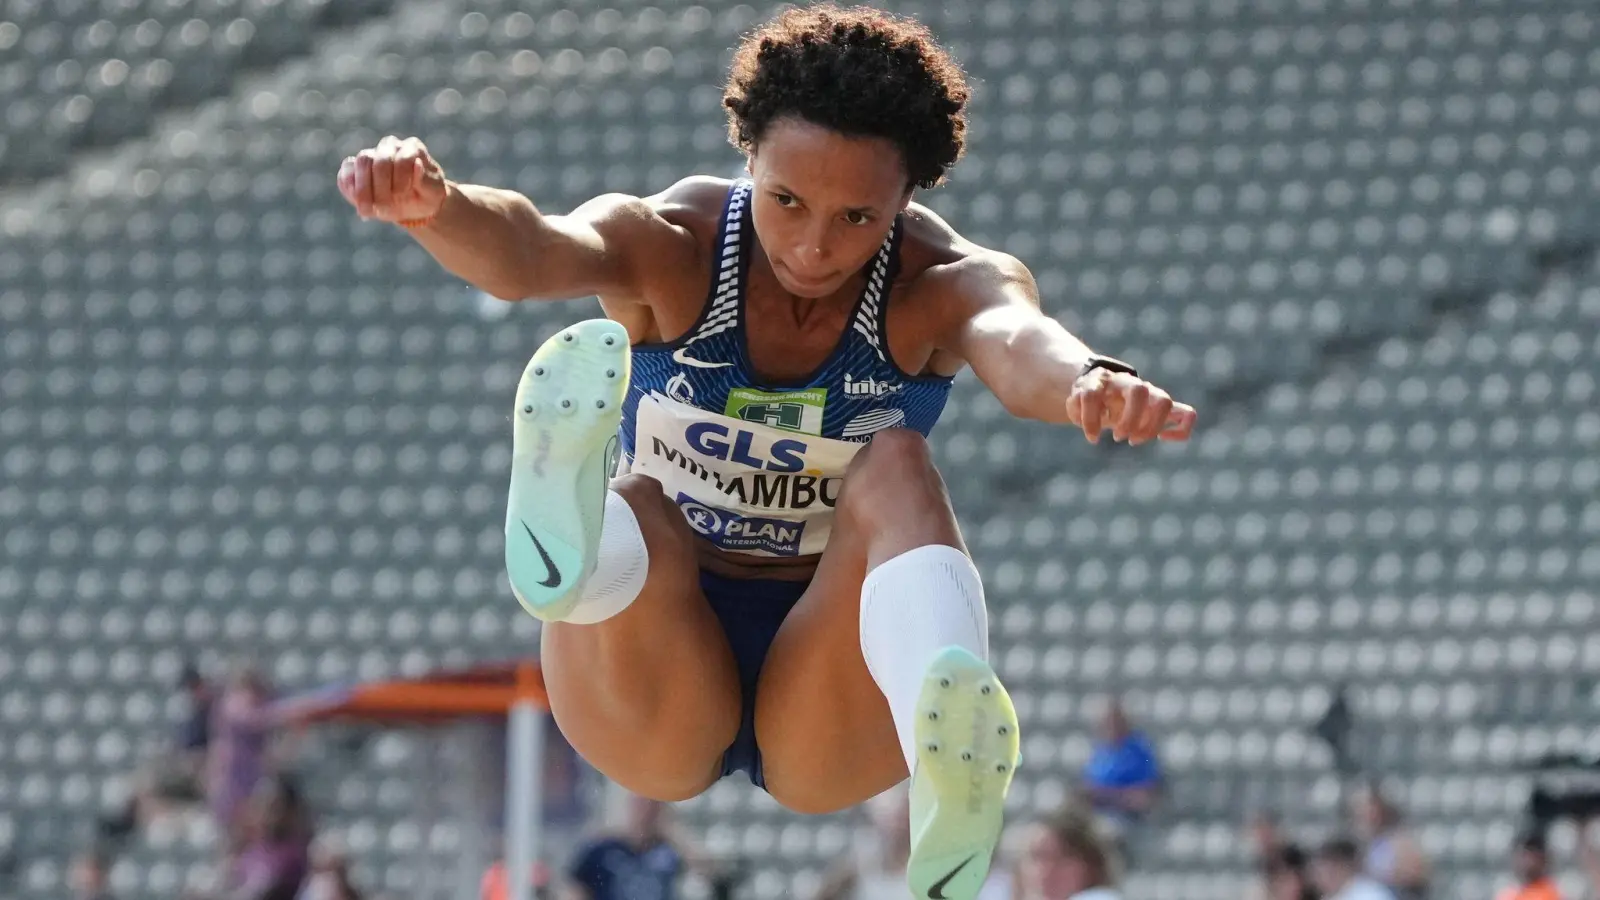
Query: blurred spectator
pixel 90 875
pixel 1264 836
pixel 193 734
pixel 495 885
pixel 177 776
pixel 1286 875
pixel 1393 855
pixel 1122 778
pixel 876 868
pixel 270 857
pixel 1589 855
pixel 239 736
pixel 1530 861
pixel 1337 873
pixel 1066 859
pixel 174 776
pixel 643 861
pixel 1284 867
pixel 329 878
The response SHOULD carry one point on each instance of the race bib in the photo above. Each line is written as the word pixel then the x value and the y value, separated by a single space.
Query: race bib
pixel 743 484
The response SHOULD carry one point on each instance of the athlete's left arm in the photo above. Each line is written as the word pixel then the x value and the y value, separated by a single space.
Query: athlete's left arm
pixel 1037 368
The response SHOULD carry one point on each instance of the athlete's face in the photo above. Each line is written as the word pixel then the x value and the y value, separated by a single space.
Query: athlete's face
pixel 824 201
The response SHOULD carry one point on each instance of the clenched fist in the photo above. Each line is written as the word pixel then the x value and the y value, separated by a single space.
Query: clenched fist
pixel 396 181
pixel 1135 410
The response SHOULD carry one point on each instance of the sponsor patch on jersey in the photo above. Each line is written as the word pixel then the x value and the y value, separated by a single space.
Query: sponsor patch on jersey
pixel 869 387
pixel 731 531
pixel 869 423
pixel 799 411
pixel 679 389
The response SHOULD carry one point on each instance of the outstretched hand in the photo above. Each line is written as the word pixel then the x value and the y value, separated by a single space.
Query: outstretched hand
pixel 396 181
pixel 1133 409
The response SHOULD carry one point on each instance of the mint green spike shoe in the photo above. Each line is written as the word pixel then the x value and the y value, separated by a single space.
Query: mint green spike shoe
pixel 967 751
pixel 564 448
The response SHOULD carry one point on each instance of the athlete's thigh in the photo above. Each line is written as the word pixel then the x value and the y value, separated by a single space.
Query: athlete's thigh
pixel 650 697
pixel 826 737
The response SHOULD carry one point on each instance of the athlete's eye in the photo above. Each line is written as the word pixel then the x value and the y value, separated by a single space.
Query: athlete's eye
pixel 857 217
pixel 783 200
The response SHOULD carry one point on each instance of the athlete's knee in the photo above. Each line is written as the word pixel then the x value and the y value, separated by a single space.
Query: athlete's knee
pixel 658 516
pixel 900 448
pixel 671 786
pixel 892 479
pixel 647 758
pixel 642 492
pixel 809 799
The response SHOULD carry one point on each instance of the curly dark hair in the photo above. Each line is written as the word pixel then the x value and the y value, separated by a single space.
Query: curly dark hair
pixel 856 70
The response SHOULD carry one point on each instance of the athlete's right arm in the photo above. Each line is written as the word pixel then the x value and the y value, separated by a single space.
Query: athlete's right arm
pixel 497 240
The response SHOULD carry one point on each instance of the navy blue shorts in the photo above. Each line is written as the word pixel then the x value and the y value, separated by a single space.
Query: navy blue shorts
pixel 751 611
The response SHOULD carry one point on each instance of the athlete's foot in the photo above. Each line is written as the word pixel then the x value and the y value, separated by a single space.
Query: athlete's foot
pixel 564 432
pixel 967 750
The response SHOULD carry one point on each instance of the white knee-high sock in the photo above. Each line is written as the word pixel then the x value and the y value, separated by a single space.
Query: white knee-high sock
pixel 621 566
pixel 913 606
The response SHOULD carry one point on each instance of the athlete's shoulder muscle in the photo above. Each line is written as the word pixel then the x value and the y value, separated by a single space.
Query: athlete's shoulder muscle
pixel 631 229
pixel 659 243
pixel 948 266
pixel 694 203
pixel 656 229
pixel 946 282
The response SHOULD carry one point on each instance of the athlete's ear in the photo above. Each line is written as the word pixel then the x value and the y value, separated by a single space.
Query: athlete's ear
pixel 905 201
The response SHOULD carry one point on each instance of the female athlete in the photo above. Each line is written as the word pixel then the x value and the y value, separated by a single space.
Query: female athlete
pixel 774 582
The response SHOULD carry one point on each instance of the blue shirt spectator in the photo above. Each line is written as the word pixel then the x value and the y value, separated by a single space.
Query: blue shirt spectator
pixel 1123 776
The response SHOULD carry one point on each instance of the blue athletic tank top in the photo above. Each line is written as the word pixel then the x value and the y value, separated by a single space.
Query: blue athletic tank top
pixel 756 466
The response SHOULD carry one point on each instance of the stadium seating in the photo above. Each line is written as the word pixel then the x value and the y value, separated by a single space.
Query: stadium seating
pixel 235 417
pixel 80 73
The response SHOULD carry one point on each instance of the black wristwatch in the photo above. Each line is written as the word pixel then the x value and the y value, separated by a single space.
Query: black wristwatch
pixel 1109 363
